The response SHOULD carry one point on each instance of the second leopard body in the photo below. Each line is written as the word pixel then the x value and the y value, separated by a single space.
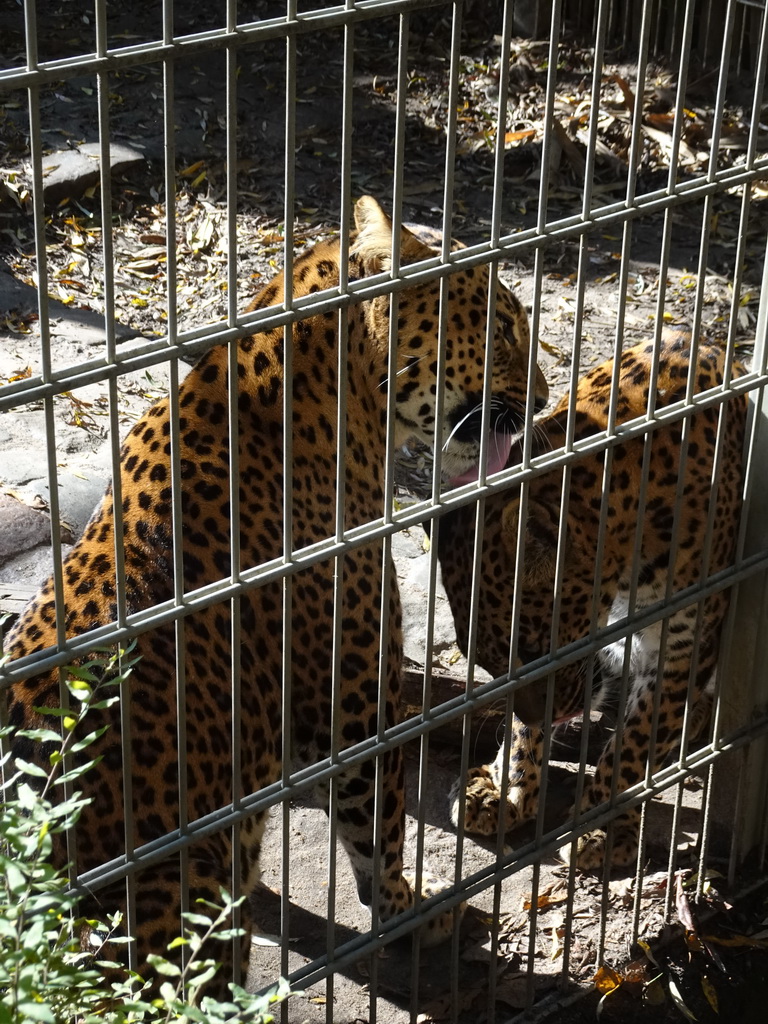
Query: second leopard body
pixel 684 528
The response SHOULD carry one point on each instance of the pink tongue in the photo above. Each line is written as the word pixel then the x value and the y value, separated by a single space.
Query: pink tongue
pixel 499 447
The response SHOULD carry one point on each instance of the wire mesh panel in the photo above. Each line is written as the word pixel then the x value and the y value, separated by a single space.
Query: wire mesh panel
pixel 389 632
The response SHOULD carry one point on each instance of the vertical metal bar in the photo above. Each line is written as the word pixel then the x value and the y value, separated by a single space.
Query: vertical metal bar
pixel 635 145
pixel 583 261
pixel 423 779
pixel 742 61
pixel 389 484
pixel 709 199
pixel 450 124
pixel 634 156
pixel 594 110
pixel 290 148
pixel 586 212
pixel 668 592
pixel 109 325
pixel 336 640
pixel 448 190
pixel 677 128
pixel 636 566
pixel 36 161
pixel 549 106
pixel 496 230
pixel 635 151
pixel 554 644
pixel 383 684
pixel 541 221
pixel 501 848
pixel 107 249
pixel 341 432
pixel 692 376
pixel 233 407
pixel 169 177
pixel 445 285
pixel 501 126
pixel 345 172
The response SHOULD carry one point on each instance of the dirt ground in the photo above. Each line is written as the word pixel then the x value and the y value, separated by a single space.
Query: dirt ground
pixel 488 979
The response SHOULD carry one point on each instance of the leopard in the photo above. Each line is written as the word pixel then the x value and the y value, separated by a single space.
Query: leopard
pixel 648 553
pixel 292 707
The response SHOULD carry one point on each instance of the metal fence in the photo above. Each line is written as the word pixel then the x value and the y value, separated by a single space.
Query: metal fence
pixel 620 191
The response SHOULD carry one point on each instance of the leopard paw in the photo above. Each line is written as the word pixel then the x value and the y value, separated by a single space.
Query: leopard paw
pixel 441 927
pixel 592 849
pixel 482 806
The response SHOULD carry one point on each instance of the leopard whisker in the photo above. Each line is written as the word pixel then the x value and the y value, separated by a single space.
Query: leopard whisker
pixel 541 436
pixel 497 405
pixel 408 366
pixel 499 736
pixel 460 424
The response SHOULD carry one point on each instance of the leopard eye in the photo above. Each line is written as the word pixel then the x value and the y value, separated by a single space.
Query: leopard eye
pixel 508 331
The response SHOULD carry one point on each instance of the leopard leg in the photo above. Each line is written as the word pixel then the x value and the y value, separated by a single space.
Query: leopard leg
pixel 356 817
pixel 484 811
pixel 634 743
pixel 159 921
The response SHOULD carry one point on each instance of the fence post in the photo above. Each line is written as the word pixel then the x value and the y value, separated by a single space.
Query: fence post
pixel 740 795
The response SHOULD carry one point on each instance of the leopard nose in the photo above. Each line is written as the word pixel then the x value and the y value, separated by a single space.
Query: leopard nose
pixel 530 703
pixel 540 390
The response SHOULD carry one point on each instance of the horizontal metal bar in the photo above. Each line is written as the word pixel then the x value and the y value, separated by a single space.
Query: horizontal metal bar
pixel 214 40
pixel 332 547
pixel 194 342
pixel 516 861
pixel 413 728
pixel 519 859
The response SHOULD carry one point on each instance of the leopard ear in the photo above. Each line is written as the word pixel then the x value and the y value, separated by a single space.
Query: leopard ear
pixel 374 239
pixel 541 535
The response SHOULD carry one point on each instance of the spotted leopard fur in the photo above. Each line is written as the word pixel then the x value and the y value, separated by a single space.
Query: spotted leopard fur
pixel 147 498
pixel 674 551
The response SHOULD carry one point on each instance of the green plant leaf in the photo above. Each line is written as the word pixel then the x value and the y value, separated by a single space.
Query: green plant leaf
pixel 163 966
pixel 86 741
pixel 33 1010
pixel 15 878
pixel 227 934
pixel 199 919
pixel 31 769
pixel 207 970
pixel 41 735
pixel 77 771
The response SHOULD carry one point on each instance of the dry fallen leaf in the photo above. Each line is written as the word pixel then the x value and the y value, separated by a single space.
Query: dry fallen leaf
pixel 653 993
pixel 526 133
pixel 626 91
pixel 678 1000
pixel 550 896
pixel 709 993
pixel 683 906
pixel 647 950
pixel 606 979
